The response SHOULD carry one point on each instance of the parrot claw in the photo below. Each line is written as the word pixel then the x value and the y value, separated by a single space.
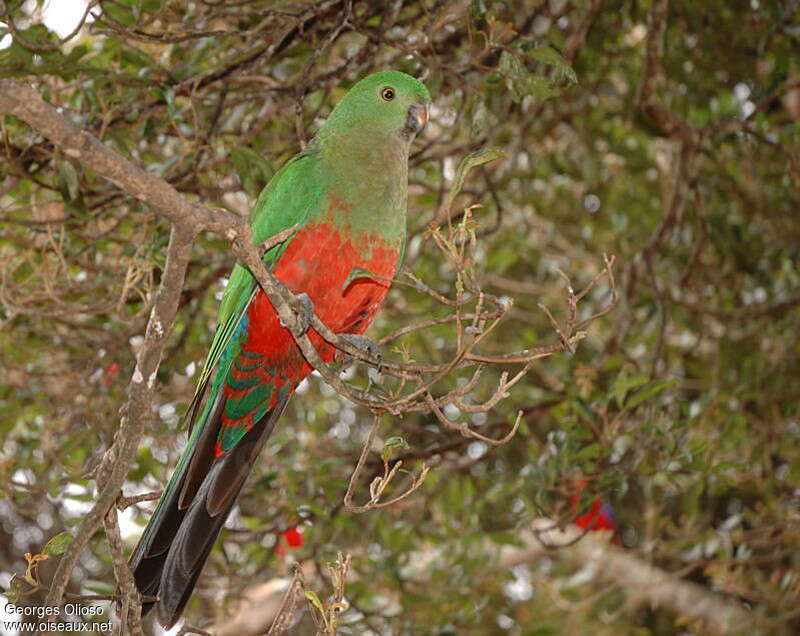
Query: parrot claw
pixel 303 312
pixel 362 343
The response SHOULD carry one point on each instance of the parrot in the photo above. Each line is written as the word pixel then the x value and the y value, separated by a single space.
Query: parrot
pixel 600 516
pixel 345 195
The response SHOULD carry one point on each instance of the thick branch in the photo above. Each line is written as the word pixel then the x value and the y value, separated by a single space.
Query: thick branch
pixel 646 98
pixel 131 611
pixel 25 102
pixel 643 582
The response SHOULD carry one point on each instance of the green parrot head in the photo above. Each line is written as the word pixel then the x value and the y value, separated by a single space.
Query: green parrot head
pixel 384 105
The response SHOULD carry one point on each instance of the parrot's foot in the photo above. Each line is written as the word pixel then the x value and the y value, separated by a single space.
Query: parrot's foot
pixel 362 343
pixel 303 312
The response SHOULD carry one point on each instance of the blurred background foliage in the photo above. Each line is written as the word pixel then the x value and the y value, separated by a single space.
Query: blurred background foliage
pixel 678 155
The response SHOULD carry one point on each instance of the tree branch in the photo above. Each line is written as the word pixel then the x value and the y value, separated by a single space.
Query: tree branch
pixel 119 457
pixel 646 98
pixel 643 582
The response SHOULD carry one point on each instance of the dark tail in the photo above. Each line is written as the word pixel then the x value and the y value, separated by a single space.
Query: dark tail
pixel 188 519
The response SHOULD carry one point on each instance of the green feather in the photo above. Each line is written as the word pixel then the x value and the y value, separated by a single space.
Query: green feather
pixel 240 407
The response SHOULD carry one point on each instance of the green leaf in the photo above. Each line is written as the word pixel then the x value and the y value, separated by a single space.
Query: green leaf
pixel 76 54
pixel 98 587
pixel 58 544
pixel 478 117
pixel 521 82
pixel 592 451
pixel 254 171
pixel 537 86
pixel 477 8
pixel 582 410
pixel 15 589
pixel 551 57
pixel 266 480
pixel 68 183
pixel 391 446
pixel 649 391
pixel 314 600
pixel 468 163
pixel 624 383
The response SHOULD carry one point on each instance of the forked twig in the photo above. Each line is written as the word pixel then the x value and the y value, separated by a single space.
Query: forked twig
pixel 380 483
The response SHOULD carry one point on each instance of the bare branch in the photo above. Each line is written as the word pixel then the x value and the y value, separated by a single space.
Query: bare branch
pixel 378 486
pixel 127 502
pixel 130 614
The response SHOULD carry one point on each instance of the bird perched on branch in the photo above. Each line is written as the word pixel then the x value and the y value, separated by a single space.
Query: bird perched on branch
pixel 346 196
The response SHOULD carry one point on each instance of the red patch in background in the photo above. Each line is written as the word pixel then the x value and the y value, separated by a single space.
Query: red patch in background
pixel 291 538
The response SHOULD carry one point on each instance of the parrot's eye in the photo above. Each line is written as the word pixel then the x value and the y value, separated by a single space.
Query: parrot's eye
pixel 388 93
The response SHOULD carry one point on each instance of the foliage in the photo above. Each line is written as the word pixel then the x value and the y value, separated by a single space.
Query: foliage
pixel 682 406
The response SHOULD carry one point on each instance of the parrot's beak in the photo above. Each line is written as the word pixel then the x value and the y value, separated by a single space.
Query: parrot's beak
pixel 422 113
pixel 418 115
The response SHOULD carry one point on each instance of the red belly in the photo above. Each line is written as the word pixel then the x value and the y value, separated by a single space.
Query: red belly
pixel 318 261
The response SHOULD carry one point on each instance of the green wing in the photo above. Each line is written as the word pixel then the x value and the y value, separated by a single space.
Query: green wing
pixel 288 199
